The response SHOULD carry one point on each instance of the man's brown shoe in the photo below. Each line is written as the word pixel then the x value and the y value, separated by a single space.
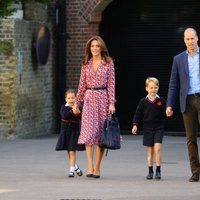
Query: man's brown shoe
pixel 197 170
pixel 194 178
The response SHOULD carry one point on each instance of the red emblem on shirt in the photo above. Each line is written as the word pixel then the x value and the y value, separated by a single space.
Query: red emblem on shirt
pixel 159 103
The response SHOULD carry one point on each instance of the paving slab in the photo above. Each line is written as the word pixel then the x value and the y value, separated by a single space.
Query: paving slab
pixel 30 169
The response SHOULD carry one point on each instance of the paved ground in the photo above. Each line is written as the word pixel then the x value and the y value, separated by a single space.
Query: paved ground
pixel 30 169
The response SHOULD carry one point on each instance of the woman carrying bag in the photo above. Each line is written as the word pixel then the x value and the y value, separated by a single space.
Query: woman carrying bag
pixel 96 91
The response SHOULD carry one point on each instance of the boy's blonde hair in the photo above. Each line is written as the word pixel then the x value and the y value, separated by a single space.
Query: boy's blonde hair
pixel 152 79
pixel 70 91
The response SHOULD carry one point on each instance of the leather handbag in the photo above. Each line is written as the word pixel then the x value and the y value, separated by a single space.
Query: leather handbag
pixel 110 137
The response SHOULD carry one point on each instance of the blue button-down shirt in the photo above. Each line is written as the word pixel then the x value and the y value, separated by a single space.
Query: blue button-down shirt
pixel 194 73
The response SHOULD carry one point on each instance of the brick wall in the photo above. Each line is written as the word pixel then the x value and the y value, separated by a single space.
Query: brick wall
pixel 79 29
pixel 26 90
pixel 7 82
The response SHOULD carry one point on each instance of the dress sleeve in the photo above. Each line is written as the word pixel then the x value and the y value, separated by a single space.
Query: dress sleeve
pixel 82 86
pixel 111 83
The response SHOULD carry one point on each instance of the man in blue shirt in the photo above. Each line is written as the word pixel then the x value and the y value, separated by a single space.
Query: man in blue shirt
pixel 185 80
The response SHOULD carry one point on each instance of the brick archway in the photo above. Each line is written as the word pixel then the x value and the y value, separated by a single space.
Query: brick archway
pixel 83 19
pixel 91 11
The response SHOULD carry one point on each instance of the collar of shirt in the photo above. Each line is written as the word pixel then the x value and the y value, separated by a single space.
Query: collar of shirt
pixel 193 73
pixel 157 96
pixel 197 51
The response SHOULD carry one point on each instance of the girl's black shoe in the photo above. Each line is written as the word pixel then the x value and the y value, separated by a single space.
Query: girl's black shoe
pixel 71 174
pixel 78 171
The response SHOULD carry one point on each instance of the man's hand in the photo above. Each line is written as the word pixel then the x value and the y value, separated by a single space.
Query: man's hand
pixel 169 111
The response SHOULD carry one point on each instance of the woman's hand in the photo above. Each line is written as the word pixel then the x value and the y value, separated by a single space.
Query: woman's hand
pixel 111 109
pixel 134 130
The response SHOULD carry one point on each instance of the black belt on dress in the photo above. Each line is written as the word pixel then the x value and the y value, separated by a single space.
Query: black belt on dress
pixel 69 121
pixel 96 88
pixel 194 95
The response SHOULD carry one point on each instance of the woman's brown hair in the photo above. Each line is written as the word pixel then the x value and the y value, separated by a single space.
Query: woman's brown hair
pixel 104 51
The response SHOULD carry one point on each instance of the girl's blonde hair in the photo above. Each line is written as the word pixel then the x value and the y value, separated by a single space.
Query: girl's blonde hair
pixel 152 79
pixel 104 51
pixel 70 91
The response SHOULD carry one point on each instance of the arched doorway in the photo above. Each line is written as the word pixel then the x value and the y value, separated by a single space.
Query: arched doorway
pixel 143 39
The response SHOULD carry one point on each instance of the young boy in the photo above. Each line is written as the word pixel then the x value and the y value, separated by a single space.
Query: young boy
pixel 150 113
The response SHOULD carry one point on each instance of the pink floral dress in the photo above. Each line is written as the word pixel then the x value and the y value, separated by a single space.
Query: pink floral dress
pixel 95 102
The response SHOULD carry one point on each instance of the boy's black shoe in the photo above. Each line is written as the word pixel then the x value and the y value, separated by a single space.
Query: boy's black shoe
pixel 158 176
pixel 149 176
pixel 194 178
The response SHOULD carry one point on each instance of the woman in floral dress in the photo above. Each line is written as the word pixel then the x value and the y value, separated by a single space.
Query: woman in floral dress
pixel 97 92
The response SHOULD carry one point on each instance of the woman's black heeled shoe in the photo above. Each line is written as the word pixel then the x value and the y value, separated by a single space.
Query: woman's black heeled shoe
pixel 90 175
pixel 96 176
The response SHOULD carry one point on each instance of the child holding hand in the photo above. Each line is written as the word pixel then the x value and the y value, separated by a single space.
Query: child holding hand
pixel 69 132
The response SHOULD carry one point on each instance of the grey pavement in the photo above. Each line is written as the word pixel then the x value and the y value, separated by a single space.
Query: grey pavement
pixel 30 169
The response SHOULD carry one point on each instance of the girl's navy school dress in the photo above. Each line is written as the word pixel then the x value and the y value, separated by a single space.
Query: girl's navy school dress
pixel 69 131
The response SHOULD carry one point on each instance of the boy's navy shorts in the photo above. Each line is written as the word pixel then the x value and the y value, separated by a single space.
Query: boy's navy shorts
pixel 152 136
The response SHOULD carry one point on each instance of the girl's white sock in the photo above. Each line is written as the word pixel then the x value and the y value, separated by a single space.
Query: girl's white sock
pixel 72 168
pixel 76 167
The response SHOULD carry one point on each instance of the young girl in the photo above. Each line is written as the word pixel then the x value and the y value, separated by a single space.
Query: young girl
pixel 151 113
pixel 69 132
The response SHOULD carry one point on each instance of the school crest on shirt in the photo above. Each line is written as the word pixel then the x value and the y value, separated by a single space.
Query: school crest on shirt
pixel 159 103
